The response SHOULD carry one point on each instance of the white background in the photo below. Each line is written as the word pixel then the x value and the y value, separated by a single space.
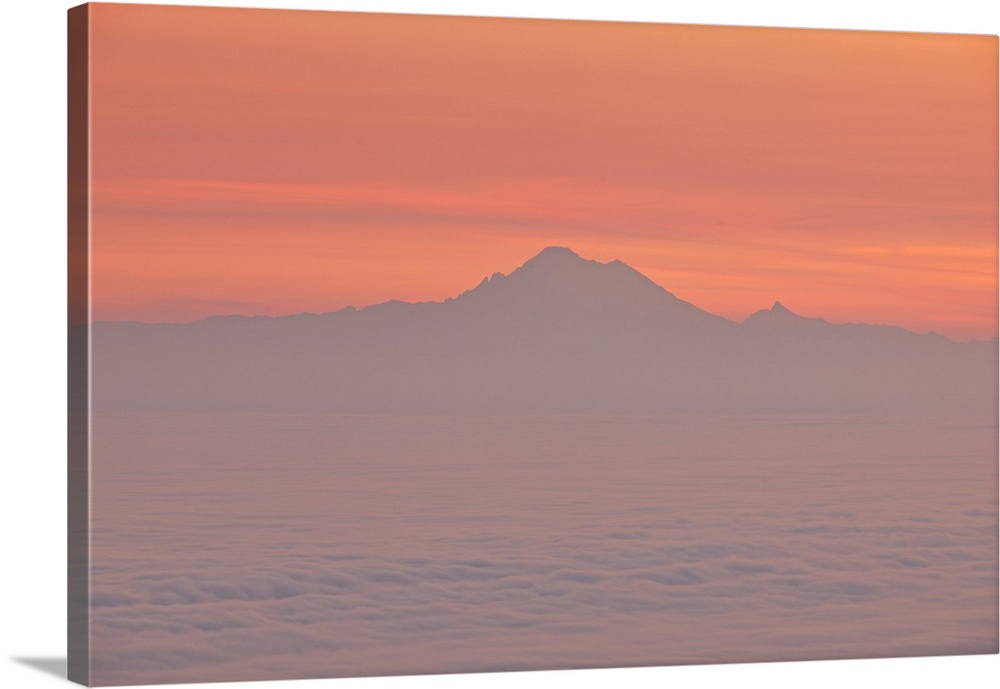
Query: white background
pixel 33 313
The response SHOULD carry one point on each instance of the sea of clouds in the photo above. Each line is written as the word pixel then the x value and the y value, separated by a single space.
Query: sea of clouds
pixel 237 547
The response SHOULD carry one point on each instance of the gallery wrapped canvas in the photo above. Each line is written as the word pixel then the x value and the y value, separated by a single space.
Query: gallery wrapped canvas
pixel 421 344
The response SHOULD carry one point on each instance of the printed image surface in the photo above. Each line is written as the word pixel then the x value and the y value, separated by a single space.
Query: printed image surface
pixel 440 344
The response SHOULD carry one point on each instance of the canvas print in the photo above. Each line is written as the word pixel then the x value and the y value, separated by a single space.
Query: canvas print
pixel 414 344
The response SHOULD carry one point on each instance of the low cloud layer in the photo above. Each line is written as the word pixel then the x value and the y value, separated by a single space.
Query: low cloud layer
pixel 282 547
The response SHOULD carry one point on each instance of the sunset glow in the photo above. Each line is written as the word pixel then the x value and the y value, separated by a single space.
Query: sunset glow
pixel 275 162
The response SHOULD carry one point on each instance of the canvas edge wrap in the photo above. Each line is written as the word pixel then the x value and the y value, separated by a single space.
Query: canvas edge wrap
pixel 78 343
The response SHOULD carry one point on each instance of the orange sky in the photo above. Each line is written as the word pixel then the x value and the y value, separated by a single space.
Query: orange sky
pixel 273 162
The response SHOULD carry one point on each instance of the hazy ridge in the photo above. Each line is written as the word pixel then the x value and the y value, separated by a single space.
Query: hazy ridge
pixel 558 335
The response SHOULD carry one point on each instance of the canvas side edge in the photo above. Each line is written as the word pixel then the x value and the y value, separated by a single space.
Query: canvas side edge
pixel 78 344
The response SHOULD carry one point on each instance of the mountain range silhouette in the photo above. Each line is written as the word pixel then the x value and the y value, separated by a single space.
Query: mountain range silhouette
pixel 560 334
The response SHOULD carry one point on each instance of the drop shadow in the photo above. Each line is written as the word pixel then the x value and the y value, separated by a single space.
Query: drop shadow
pixel 50 666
